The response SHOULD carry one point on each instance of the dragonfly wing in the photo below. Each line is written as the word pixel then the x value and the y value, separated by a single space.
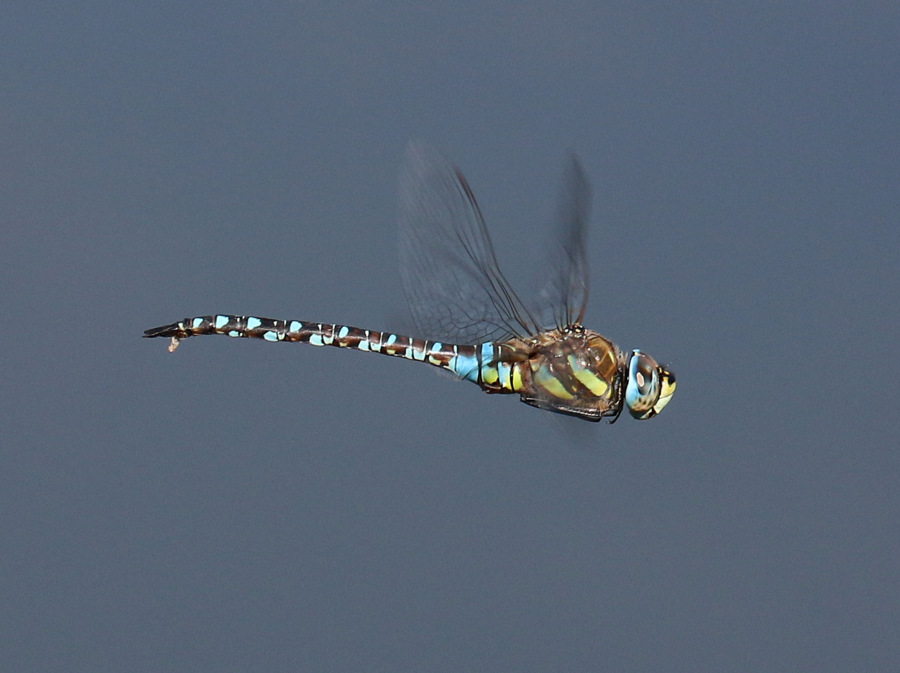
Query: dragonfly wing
pixel 448 265
pixel 564 296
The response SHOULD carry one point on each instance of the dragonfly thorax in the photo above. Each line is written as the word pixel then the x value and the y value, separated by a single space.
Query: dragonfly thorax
pixel 573 371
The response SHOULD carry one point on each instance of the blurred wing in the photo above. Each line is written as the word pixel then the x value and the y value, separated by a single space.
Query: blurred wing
pixel 454 287
pixel 564 297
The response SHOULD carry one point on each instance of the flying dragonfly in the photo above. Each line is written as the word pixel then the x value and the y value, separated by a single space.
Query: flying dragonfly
pixel 471 321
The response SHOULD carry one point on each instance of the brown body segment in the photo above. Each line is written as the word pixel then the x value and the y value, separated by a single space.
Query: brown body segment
pixel 572 371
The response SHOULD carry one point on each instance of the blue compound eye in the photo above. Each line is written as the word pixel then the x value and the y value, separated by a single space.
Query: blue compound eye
pixel 642 391
pixel 649 388
pixel 644 374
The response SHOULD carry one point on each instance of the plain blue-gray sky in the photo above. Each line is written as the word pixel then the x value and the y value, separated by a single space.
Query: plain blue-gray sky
pixel 244 506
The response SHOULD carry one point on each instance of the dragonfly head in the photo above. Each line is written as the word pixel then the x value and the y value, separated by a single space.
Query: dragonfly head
pixel 650 386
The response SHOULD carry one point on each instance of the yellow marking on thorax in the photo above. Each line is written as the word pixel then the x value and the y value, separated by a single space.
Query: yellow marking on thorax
pixel 588 379
pixel 551 384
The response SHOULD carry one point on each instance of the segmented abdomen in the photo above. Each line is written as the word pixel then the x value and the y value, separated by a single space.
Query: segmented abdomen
pixel 481 364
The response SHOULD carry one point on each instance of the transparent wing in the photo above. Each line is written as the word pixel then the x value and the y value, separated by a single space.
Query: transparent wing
pixel 564 297
pixel 448 266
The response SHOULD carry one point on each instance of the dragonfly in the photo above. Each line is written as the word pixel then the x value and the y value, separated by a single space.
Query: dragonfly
pixel 470 319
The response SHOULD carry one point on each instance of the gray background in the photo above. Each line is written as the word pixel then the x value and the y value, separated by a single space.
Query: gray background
pixel 245 506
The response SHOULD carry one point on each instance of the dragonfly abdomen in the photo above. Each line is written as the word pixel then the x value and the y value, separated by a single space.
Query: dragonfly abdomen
pixel 476 363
